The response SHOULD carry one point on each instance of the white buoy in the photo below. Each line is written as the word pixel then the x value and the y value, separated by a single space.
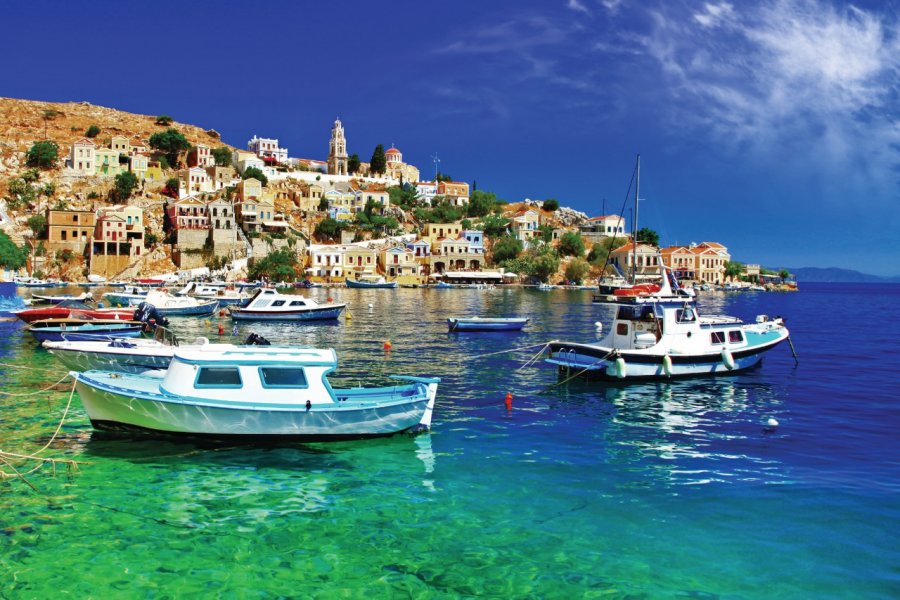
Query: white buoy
pixel 727 359
pixel 598 326
pixel 621 368
pixel 772 422
pixel 667 365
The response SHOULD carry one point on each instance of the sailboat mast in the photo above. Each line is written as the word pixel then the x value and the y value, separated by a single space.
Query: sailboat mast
pixel 637 192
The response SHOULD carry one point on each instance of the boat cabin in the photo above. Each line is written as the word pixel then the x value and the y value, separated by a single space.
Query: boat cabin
pixel 280 377
pixel 641 325
pixel 267 298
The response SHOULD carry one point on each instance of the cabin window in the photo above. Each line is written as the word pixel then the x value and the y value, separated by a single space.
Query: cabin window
pixel 735 337
pixel 283 377
pixel 278 303
pixel 717 337
pixel 219 377
pixel 622 329
pixel 298 303
pixel 685 315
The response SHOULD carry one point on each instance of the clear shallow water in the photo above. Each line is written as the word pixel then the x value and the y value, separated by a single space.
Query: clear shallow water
pixel 582 490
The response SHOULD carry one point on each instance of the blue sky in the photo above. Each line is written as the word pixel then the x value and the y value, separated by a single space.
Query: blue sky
pixel 769 126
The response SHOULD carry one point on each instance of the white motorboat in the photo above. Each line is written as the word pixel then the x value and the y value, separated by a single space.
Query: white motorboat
pixel 250 392
pixel 270 305
pixel 662 335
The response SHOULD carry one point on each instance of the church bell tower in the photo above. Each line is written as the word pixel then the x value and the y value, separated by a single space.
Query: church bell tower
pixel 337 150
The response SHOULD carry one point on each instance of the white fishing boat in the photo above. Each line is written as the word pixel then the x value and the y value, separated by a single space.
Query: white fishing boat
pixel 662 335
pixel 133 355
pixel 215 291
pixel 250 392
pixel 270 305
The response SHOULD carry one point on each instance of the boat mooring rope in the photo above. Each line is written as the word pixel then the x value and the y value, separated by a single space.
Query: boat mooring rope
pixel 40 391
pixel 7 458
pixel 511 350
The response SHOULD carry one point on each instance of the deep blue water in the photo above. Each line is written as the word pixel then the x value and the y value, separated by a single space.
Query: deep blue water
pixel 583 489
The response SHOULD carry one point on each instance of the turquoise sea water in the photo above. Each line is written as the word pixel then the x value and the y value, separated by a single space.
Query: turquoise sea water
pixel 582 490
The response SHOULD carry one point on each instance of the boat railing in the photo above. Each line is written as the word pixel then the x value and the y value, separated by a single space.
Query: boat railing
pixel 719 320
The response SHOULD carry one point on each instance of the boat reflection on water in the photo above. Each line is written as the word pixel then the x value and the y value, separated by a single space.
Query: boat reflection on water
pixel 685 432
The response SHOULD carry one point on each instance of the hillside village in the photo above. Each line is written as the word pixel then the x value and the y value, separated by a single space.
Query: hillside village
pixel 127 195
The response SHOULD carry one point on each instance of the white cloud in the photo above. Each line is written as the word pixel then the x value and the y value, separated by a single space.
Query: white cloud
pixel 577 6
pixel 714 14
pixel 783 73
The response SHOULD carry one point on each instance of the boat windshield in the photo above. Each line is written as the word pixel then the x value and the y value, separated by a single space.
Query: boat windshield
pixel 636 312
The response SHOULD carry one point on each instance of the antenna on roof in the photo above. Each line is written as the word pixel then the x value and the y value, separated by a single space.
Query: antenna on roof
pixel 436 160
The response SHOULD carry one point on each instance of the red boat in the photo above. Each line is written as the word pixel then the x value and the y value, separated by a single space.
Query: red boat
pixel 150 282
pixel 74 309
pixel 641 289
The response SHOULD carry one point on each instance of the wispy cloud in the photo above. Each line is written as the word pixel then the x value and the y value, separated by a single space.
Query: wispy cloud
pixel 578 6
pixel 785 72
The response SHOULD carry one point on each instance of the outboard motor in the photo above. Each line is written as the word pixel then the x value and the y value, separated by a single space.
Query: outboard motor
pixel 256 340
pixel 147 314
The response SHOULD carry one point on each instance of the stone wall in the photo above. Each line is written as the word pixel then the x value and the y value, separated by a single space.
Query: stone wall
pixel 191 239
pixel 109 265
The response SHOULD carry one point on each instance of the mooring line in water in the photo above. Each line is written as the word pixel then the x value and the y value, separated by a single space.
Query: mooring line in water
pixel 578 373
pixel 2 364
pixel 71 465
pixel 508 351
pixel 534 358
pixel 41 391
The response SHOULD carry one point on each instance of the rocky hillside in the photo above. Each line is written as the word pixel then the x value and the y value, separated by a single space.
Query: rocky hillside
pixel 23 122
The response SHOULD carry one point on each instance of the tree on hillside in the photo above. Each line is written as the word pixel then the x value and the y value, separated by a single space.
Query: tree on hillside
pixel 11 256
pixel 577 269
pixel 171 189
pixel 600 250
pixel 164 120
pixel 481 203
pixel 403 196
pixel 733 270
pixel 279 265
pixel 47 116
pixel 648 236
pixel 37 224
pixel 442 177
pixel 505 248
pixel 125 185
pixel 550 204
pixel 571 244
pixel 256 173
pixel 378 164
pixel 43 155
pixel 545 233
pixel 353 163
pixel 222 156
pixel 494 225
pixel 328 230
pixel 92 131
pixel 19 193
pixel 171 143
pixel 784 274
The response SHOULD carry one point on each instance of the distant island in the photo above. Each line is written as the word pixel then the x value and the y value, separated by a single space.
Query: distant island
pixel 835 275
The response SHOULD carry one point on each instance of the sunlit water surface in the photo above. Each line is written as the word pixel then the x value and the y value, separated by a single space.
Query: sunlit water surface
pixel 581 490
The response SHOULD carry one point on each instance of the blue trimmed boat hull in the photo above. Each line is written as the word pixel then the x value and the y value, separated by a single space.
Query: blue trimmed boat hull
pixel 486 324
pixel 315 314
pixel 57 334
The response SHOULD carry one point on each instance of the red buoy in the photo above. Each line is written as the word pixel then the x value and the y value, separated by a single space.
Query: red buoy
pixel 221 330
pixel 508 401
pixel 387 345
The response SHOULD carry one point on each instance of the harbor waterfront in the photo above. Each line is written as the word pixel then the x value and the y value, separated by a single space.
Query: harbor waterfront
pixel 580 489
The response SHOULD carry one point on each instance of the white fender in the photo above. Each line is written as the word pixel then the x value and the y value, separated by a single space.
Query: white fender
pixel 727 359
pixel 667 365
pixel 621 368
